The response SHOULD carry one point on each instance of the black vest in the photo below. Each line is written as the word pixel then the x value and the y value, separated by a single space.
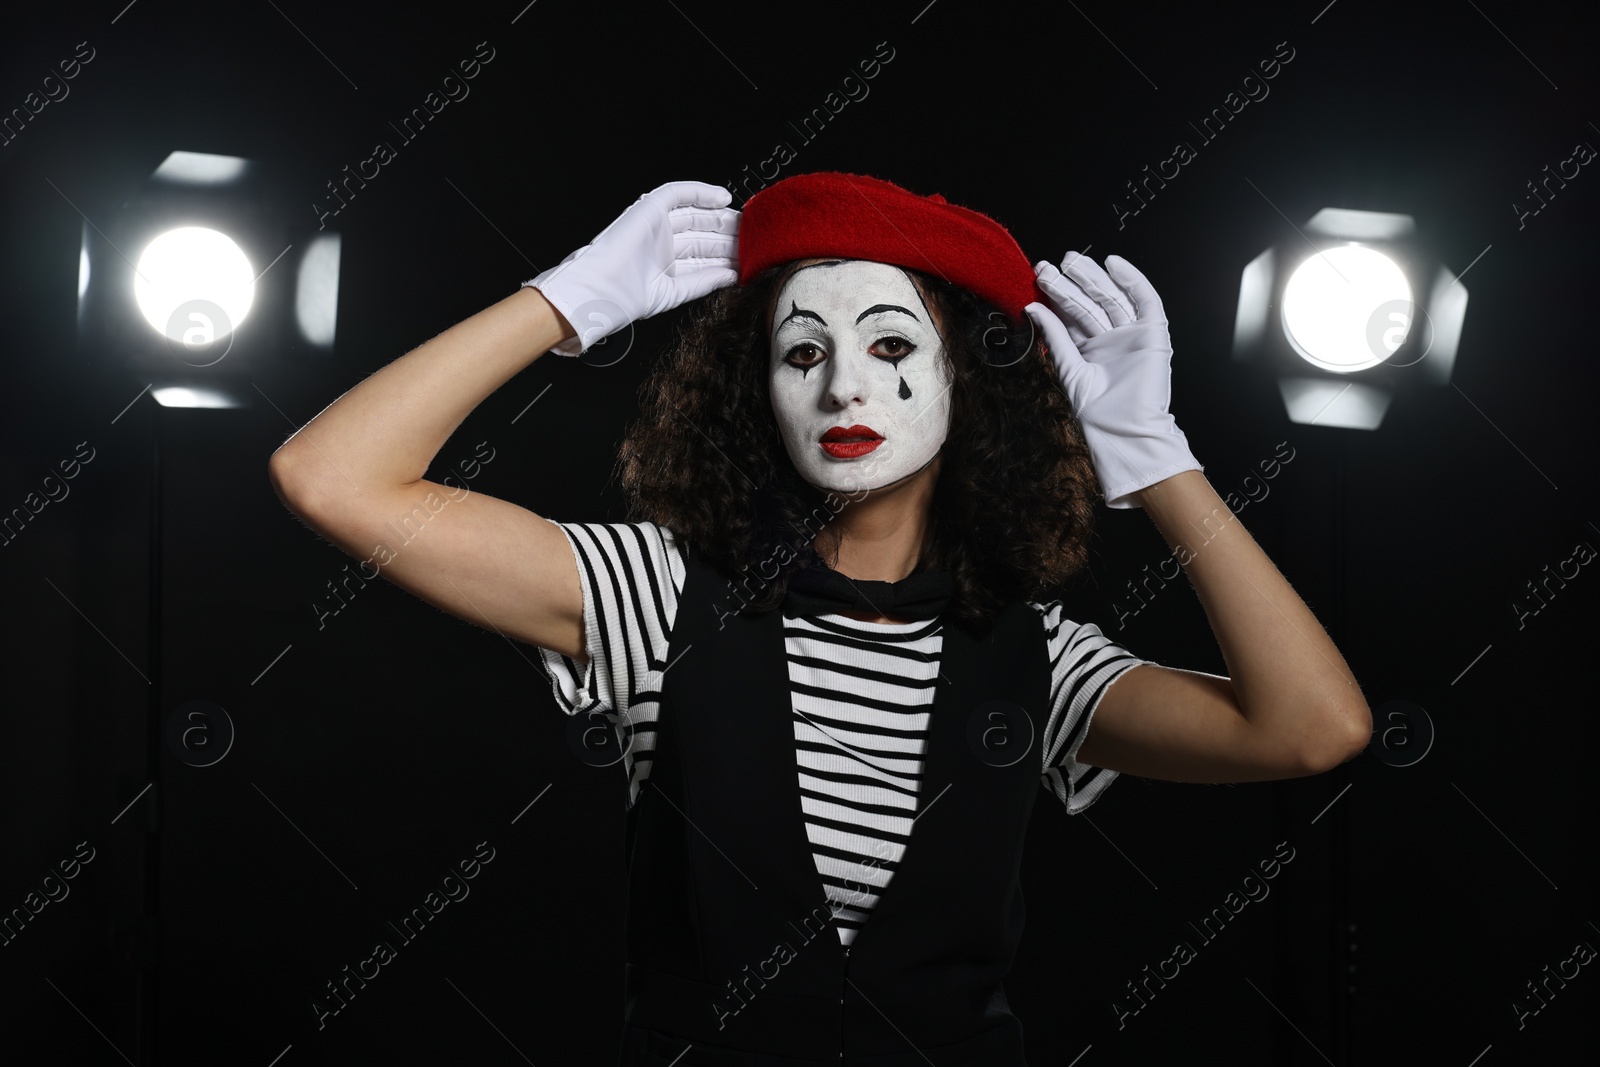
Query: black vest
pixel 729 939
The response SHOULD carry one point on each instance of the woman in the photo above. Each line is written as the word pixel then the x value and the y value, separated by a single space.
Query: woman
pixel 866 462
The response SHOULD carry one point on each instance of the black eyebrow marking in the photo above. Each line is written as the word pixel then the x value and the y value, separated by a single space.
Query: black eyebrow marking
pixel 799 312
pixel 876 308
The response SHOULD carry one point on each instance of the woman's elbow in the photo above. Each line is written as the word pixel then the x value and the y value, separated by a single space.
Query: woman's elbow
pixel 1343 736
pixel 286 471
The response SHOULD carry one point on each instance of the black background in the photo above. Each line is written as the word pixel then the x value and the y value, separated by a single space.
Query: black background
pixel 395 739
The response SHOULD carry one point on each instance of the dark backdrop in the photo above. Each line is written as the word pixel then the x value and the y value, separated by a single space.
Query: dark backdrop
pixel 381 749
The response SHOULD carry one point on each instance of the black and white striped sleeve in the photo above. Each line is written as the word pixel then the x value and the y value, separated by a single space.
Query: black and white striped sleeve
pixel 1083 664
pixel 632 575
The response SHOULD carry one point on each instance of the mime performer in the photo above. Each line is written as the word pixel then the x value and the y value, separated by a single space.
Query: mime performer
pixel 830 643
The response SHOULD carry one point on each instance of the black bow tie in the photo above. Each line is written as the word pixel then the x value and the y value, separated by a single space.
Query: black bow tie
pixel 819 590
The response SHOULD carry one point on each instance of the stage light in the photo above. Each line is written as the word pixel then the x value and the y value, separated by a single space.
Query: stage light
pixel 1328 302
pixel 194 284
pixel 196 279
pixel 1346 312
pixel 202 275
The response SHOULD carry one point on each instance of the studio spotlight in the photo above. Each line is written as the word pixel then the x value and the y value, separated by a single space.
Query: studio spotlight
pixel 1347 313
pixel 202 276
pixel 197 280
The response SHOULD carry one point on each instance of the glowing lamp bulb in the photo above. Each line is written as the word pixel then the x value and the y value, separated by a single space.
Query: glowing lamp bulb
pixel 194 284
pixel 1347 308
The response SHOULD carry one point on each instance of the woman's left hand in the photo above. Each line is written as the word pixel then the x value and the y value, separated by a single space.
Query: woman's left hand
pixel 1108 335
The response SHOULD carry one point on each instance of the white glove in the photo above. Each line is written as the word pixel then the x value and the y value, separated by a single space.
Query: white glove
pixel 675 243
pixel 1114 355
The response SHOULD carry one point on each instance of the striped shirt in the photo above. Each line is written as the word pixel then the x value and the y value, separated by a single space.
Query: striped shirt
pixel 861 694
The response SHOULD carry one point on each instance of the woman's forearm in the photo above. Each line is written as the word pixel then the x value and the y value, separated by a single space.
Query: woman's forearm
pixel 1289 679
pixel 385 431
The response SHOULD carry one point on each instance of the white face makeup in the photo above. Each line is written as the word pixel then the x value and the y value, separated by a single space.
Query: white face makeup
pixel 855 349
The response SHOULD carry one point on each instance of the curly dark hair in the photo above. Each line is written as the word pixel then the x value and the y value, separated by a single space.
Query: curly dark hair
pixel 1012 507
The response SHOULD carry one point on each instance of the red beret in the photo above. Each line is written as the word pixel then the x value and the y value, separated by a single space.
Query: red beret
pixel 856 217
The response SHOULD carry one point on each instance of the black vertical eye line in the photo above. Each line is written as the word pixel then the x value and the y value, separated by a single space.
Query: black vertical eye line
pixel 798 312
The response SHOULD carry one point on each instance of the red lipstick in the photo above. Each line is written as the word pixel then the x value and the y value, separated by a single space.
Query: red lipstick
pixel 848 442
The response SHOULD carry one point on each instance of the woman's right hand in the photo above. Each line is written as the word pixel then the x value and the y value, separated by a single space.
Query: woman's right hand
pixel 675 243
